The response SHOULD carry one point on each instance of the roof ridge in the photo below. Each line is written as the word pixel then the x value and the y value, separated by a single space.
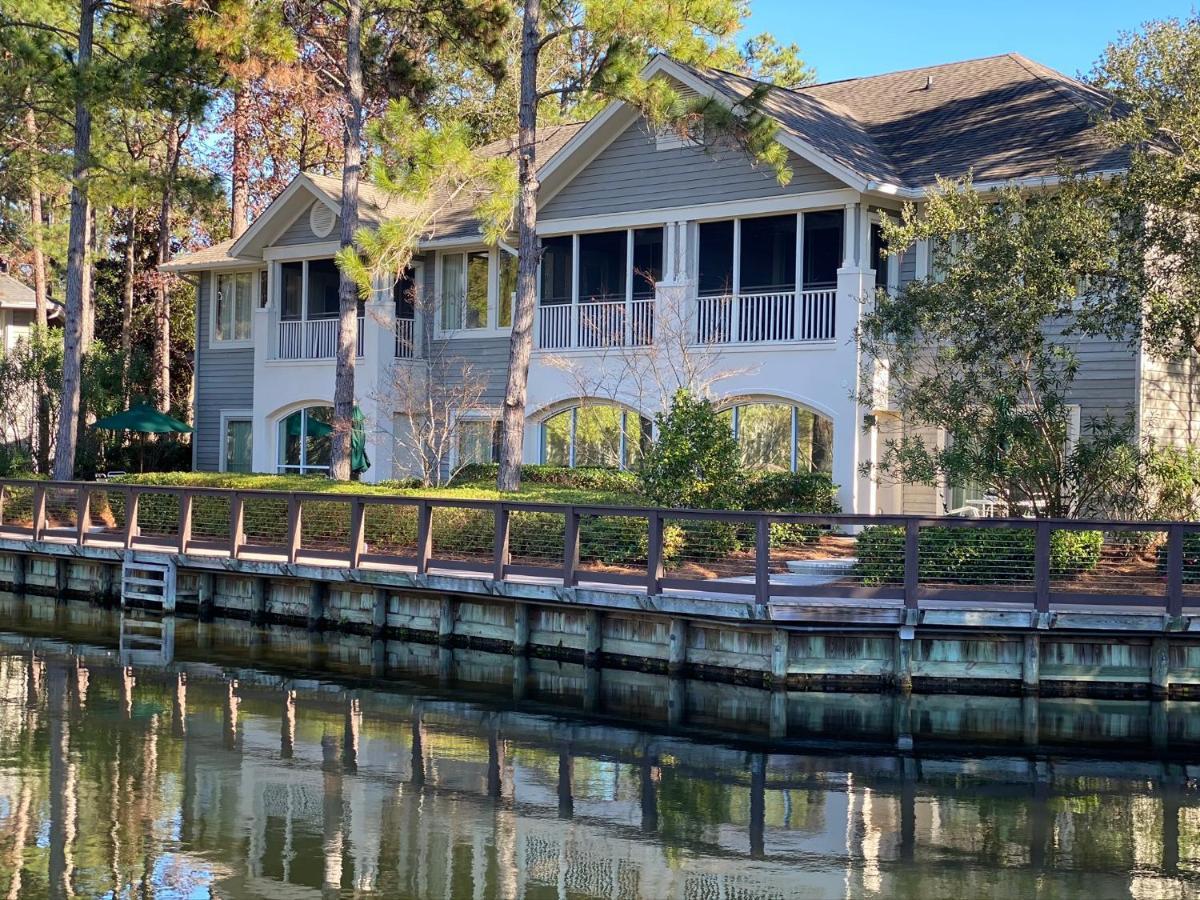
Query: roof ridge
pixel 954 62
pixel 1054 80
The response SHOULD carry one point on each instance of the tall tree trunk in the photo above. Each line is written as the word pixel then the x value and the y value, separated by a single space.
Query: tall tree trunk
pixel 40 293
pixel 239 175
pixel 64 457
pixel 162 296
pixel 35 221
pixel 343 384
pixel 512 440
pixel 127 302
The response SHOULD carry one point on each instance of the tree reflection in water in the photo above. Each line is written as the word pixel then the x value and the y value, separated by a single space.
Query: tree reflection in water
pixel 205 777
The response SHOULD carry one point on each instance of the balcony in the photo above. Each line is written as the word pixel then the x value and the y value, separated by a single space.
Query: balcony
pixel 404 338
pixel 596 324
pixel 311 338
pixel 793 316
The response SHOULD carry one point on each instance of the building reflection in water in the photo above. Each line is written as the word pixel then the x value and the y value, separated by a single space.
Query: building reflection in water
pixel 209 778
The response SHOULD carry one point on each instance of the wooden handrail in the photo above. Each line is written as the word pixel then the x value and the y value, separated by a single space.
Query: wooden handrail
pixel 1038 586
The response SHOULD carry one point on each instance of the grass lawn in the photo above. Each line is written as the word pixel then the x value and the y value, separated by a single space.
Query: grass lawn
pixel 615 489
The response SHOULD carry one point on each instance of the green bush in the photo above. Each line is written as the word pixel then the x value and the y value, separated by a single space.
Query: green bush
pixel 973 555
pixel 695 461
pixel 590 478
pixel 798 492
pixel 1191 557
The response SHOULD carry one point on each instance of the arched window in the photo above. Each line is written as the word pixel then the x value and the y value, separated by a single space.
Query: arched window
pixel 305 440
pixel 782 437
pixel 595 434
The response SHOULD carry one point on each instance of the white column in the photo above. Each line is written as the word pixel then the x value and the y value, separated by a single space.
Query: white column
pixel 261 449
pixel 851 447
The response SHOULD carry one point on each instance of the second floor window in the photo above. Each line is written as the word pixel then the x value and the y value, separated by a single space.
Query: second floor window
pixel 464 293
pixel 233 307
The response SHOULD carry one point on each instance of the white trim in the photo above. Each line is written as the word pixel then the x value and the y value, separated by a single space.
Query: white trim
pixel 294 252
pixel 259 225
pixel 699 212
pixel 234 415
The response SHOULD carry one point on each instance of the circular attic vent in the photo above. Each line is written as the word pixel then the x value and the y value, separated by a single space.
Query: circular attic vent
pixel 320 219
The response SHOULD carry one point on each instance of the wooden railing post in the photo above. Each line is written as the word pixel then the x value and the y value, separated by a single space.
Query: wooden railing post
pixel 237 521
pixel 1041 567
pixel 1175 570
pixel 131 516
pixel 912 563
pixel 762 563
pixel 185 520
pixel 82 514
pixel 293 532
pixel 500 543
pixel 571 548
pixel 39 511
pixel 654 560
pixel 358 522
pixel 424 536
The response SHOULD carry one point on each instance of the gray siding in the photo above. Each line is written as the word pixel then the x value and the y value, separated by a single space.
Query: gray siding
pixel 299 232
pixel 631 175
pixel 908 266
pixel 224 381
pixel 1170 400
pixel 486 358
pixel 1106 381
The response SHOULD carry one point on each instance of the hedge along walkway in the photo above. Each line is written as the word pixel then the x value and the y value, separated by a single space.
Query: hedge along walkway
pixel 695 548
pixel 532 491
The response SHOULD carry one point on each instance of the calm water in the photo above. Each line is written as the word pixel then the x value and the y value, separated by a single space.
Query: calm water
pixel 233 763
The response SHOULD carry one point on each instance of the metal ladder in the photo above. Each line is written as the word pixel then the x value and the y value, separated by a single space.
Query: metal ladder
pixel 150 580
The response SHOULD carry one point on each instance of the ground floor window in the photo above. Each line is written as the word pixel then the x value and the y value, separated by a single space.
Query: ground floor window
pixel 782 437
pixel 478 441
pixel 595 435
pixel 305 440
pixel 238 446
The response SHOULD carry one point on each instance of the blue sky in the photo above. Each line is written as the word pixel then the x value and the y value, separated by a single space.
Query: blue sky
pixel 847 38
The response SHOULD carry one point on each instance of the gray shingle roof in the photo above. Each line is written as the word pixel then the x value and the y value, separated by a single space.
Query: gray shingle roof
pixel 15 293
pixel 376 206
pixel 1002 117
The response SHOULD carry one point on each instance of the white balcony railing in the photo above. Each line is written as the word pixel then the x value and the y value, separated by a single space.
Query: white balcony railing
pixel 766 317
pixel 404 339
pixel 311 339
pixel 596 324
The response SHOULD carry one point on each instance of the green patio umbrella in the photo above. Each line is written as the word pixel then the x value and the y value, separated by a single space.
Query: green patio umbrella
pixel 359 461
pixel 144 419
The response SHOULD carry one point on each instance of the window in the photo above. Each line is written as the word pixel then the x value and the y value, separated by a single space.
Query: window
pixel 822 247
pixel 647 262
pixel 478 441
pixel 595 435
pixel 324 281
pixel 291 302
pixel 506 291
pixel 404 294
pixel 238 446
pixel 464 292
pixel 716 258
pixel 556 270
pixel 782 437
pixel 233 307
pixel 305 440
pixel 768 255
pixel 602 266
pixel 310 289
pixel 879 257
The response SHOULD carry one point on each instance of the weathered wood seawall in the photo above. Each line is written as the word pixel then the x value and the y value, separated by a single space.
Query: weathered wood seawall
pixel 816 645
